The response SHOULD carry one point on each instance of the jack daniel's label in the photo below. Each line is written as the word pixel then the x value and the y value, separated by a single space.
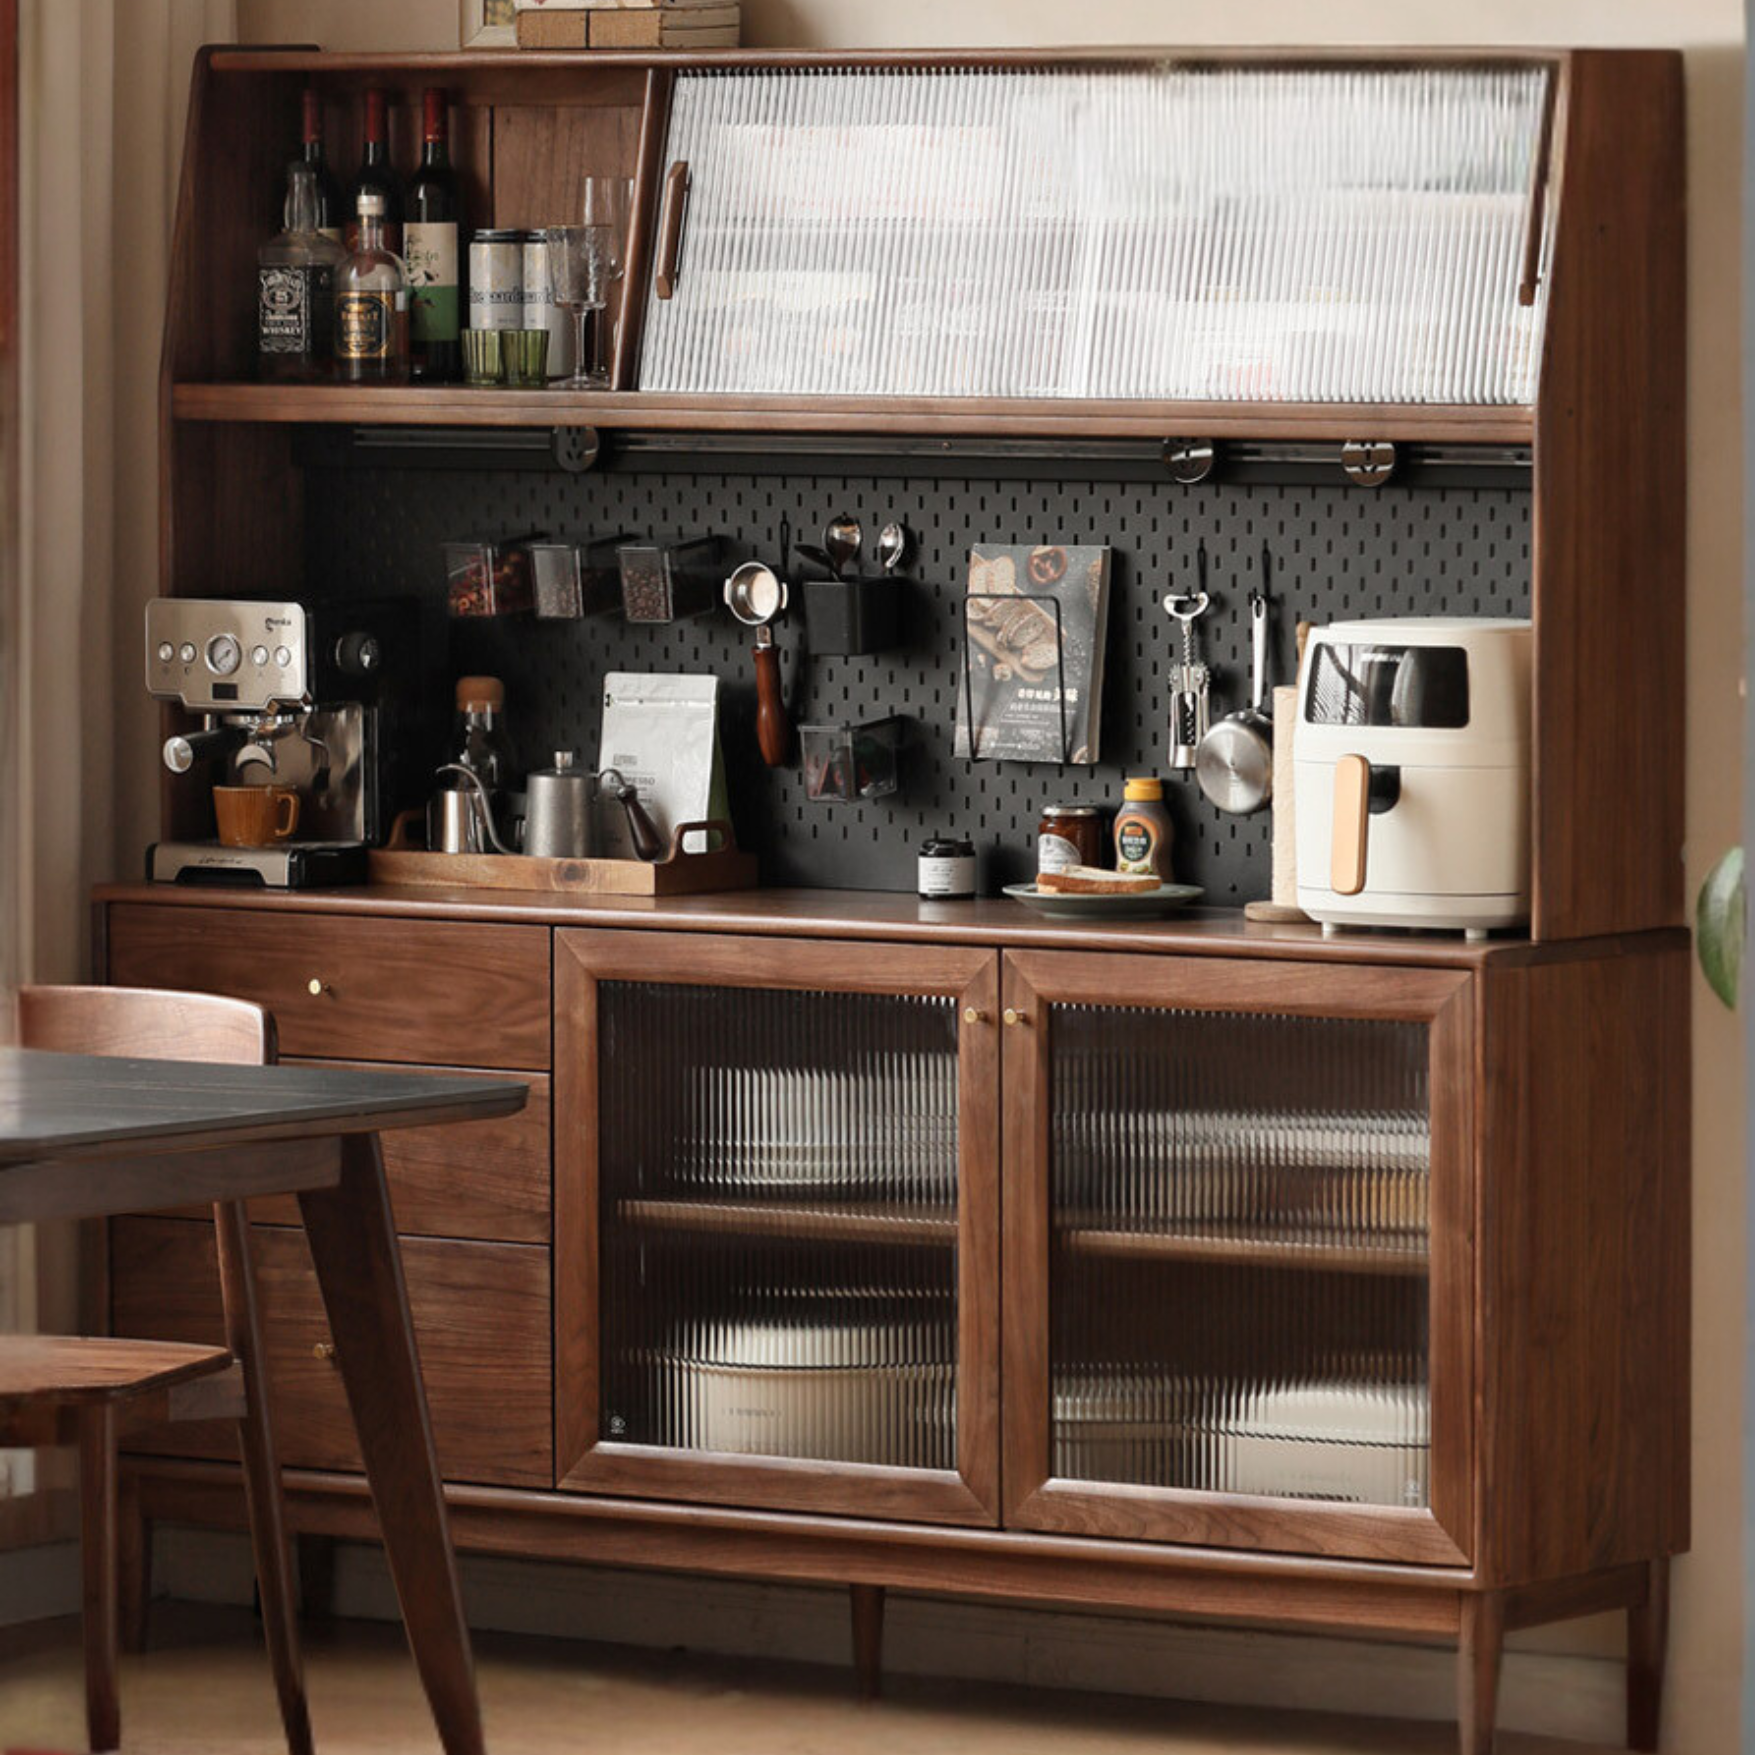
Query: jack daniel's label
pixel 364 325
pixel 292 307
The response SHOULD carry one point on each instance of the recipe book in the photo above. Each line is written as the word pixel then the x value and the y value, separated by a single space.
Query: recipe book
pixel 1037 623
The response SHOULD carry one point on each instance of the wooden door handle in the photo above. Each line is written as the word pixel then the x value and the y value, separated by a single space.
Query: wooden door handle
pixel 1352 826
pixel 670 225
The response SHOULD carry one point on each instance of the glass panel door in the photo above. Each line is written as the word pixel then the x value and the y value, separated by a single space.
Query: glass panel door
pixel 780 1219
pixel 1239 1248
pixel 1206 233
pixel 777 1202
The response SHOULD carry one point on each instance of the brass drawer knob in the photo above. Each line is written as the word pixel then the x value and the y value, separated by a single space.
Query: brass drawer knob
pixel 974 1015
pixel 1013 1017
pixel 316 987
pixel 323 1350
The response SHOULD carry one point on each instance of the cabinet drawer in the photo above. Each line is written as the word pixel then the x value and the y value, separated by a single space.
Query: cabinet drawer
pixel 443 992
pixel 478 1179
pixel 481 1317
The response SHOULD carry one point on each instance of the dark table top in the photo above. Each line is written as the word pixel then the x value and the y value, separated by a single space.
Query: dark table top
pixel 84 1106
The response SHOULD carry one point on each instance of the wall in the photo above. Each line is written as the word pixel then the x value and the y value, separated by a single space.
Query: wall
pixel 1708 1606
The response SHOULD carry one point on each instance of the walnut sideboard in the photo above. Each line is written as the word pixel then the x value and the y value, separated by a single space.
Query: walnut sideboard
pixel 1198 1268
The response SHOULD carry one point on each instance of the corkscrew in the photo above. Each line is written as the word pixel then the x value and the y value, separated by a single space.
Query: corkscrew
pixel 1188 700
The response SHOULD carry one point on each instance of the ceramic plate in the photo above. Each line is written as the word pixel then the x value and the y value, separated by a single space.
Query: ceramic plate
pixel 1142 904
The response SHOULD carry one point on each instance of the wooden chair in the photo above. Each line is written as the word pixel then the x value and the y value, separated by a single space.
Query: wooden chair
pixel 69 1390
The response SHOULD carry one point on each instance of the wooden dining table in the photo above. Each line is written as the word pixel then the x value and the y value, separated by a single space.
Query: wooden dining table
pixel 86 1136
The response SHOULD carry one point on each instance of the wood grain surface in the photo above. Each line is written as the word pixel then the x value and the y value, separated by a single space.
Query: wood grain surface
pixel 483 1180
pixel 438 993
pixel 1609 519
pixel 1003 1564
pixel 882 916
pixel 1582 1320
pixel 481 1317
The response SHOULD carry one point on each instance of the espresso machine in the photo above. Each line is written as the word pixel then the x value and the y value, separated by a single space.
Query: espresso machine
pixel 320 700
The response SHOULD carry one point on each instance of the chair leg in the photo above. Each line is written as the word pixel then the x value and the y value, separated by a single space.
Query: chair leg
pixel 133 1567
pixel 97 1504
pixel 1648 1634
pixel 868 1638
pixel 1477 1670
pixel 274 1576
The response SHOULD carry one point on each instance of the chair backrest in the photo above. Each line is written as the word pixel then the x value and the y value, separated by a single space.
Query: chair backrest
pixel 145 1023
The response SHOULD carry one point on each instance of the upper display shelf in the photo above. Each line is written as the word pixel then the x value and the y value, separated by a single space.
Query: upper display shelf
pixel 1050 243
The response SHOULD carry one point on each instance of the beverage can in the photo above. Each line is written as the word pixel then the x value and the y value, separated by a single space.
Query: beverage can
pixel 496 280
pixel 540 308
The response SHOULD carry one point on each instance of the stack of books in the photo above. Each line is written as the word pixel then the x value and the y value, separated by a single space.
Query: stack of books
pixel 628 24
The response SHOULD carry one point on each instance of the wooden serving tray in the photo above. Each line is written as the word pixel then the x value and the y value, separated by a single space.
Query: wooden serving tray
pixel 725 867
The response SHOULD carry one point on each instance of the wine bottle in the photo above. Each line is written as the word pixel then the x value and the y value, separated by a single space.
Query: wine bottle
pixel 431 250
pixel 376 176
pixel 330 201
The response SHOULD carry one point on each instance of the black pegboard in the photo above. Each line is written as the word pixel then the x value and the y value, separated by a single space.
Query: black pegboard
pixel 1339 551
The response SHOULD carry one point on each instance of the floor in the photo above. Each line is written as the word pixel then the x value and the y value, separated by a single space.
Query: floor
pixel 203 1689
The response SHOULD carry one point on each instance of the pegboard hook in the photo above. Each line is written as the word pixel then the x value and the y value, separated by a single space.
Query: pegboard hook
pixel 1190 461
pixel 1368 462
pixel 577 449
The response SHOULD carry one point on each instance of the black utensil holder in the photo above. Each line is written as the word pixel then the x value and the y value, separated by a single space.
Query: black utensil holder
pixel 844 618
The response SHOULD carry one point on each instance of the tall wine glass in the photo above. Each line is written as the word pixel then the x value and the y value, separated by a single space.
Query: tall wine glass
pixel 576 262
pixel 606 205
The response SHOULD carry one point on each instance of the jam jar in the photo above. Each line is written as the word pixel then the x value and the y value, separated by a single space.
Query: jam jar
pixel 1068 835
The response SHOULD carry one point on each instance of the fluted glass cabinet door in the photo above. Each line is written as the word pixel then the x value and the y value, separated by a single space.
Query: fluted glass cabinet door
pixel 1113 234
pixel 1237 1273
pixel 777 1223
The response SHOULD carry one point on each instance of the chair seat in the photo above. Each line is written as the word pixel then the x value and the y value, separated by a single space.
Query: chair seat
pixel 74 1371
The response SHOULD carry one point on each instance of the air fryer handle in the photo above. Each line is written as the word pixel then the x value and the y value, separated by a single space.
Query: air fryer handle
pixel 1361 793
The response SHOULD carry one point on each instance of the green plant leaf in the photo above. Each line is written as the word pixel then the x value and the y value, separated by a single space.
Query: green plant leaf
pixel 1719 924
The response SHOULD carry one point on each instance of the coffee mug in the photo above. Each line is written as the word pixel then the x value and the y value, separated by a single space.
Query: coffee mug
pixel 255 816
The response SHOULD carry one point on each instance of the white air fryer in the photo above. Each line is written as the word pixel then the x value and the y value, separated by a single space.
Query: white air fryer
pixel 1412 758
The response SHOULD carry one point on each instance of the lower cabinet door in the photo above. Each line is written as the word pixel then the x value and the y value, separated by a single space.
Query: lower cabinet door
pixel 1238 1254
pixel 481 1319
pixel 776 1223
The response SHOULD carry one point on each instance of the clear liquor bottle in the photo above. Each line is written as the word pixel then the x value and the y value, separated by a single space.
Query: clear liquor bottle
pixel 295 289
pixel 371 305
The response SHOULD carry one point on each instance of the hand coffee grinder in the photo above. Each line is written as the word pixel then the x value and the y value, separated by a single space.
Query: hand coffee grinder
pixel 286 697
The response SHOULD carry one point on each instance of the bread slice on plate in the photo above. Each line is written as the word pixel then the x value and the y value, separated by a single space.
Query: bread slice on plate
pixel 1088 880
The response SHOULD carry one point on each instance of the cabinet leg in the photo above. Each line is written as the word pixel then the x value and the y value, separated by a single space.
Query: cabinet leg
pixel 1648 1635
pixel 868 1638
pixel 1477 1670
pixel 133 1566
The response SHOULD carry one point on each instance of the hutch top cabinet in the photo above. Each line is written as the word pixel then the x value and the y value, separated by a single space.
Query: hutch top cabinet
pixel 1569 342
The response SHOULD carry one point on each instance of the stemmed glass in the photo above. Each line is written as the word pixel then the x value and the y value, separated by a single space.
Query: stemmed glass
pixel 607 203
pixel 576 261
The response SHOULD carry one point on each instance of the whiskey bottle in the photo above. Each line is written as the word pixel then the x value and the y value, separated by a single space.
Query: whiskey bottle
pixel 371 305
pixel 295 289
